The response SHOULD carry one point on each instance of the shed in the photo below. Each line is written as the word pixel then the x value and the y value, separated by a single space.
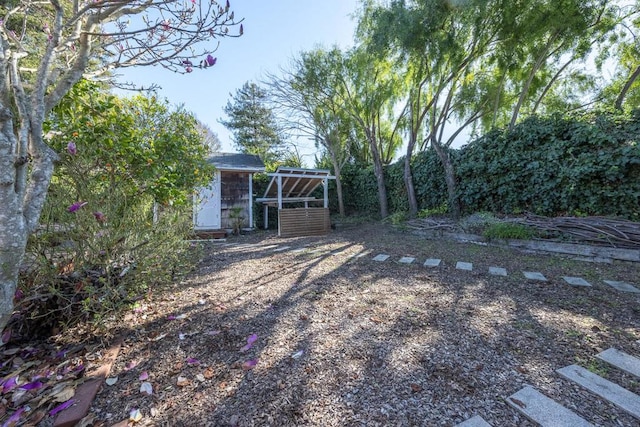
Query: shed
pixel 231 187
pixel 295 186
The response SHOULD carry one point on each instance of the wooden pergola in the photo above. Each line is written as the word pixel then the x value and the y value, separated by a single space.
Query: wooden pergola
pixel 296 186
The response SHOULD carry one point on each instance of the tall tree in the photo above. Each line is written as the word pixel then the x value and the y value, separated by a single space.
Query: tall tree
pixel 370 90
pixel 436 45
pixel 45 48
pixel 309 101
pixel 253 124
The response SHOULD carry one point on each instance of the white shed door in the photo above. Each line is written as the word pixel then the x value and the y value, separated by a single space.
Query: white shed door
pixel 207 206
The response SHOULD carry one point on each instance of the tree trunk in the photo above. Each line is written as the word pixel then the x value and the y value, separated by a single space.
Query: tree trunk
pixel 338 172
pixel 408 178
pixel 450 178
pixel 626 88
pixel 379 172
pixel 13 229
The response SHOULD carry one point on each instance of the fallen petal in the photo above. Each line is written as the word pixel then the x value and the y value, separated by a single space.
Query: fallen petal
pixel 297 354
pixel 9 384
pixel 14 418
pixel 146 387
pixel 61 407
pixel 130 365
pixel 193 361
pixel 144 376
pixel 135 415
pixel 32 385
pixel 249 364
pixel 214 333
pixel 111 381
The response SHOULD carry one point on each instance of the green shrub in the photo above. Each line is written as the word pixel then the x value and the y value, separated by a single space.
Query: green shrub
pixel 508 230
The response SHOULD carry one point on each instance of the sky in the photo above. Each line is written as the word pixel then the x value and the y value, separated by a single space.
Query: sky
pixel 274 32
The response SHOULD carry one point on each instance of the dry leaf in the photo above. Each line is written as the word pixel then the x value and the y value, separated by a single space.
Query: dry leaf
pixel 415 388
pixel 208 373
pixel 182 382
pixel 64 394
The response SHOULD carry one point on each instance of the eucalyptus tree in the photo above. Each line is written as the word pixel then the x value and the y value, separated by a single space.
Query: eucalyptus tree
pixel 371 89
pixel 46 47
pixel 438 46
pixel 307 95
pixel 544 47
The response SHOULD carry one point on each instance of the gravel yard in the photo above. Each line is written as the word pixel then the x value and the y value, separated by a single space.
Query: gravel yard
pixel 320 334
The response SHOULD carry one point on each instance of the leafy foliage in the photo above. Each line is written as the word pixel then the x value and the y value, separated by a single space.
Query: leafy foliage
pixel 556 165
pixel 103 240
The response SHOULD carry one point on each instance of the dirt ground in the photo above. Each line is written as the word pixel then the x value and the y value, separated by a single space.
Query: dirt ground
pixel 320 334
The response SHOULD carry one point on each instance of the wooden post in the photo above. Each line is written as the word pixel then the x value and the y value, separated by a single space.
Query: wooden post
pixel 251 201
pixel 279 200
pixel 325 184
pixel 266 216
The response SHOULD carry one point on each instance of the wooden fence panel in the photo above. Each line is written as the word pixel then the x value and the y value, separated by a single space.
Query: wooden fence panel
pixel 304 222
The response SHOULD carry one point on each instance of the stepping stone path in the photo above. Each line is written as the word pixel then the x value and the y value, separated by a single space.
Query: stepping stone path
pixel 534 275
pixel 432 262
pixel 543 410
pixel 467 266
pixel 381 257
pixel 622 286
pixel 476 421
pixel 621 397
pixel 621 360
pixel 497 271
pixel 576 281
pixel 546 412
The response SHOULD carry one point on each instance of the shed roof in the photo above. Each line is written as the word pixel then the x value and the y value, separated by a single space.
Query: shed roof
pixel 297 183
pixel 237 162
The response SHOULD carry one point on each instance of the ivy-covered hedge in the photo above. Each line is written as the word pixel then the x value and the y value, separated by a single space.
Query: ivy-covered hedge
pixel 555 166
pixel 551 166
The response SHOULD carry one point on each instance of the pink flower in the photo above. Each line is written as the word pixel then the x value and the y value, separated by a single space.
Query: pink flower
pixel 77 205
pixel 211 61
pixel 72 149
pixel 189 69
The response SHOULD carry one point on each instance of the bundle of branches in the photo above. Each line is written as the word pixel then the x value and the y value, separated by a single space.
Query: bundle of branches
pixel 618 233
pixel 433 223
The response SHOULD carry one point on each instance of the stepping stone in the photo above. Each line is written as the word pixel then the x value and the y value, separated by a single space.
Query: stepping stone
pixel 432 262
pixel 543 410
pixel 576 281
pixel 464 266
pixel 361 254
pixel 497 271
pixel 621 397
pixel 406 260
pixel 282 248
pixel 476 421
pixel 534 275
pixel 622 286
pixel 621 360
pixel 381 257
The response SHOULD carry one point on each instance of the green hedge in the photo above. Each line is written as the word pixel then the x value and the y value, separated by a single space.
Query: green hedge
pixel 552 166
pixel 555 166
